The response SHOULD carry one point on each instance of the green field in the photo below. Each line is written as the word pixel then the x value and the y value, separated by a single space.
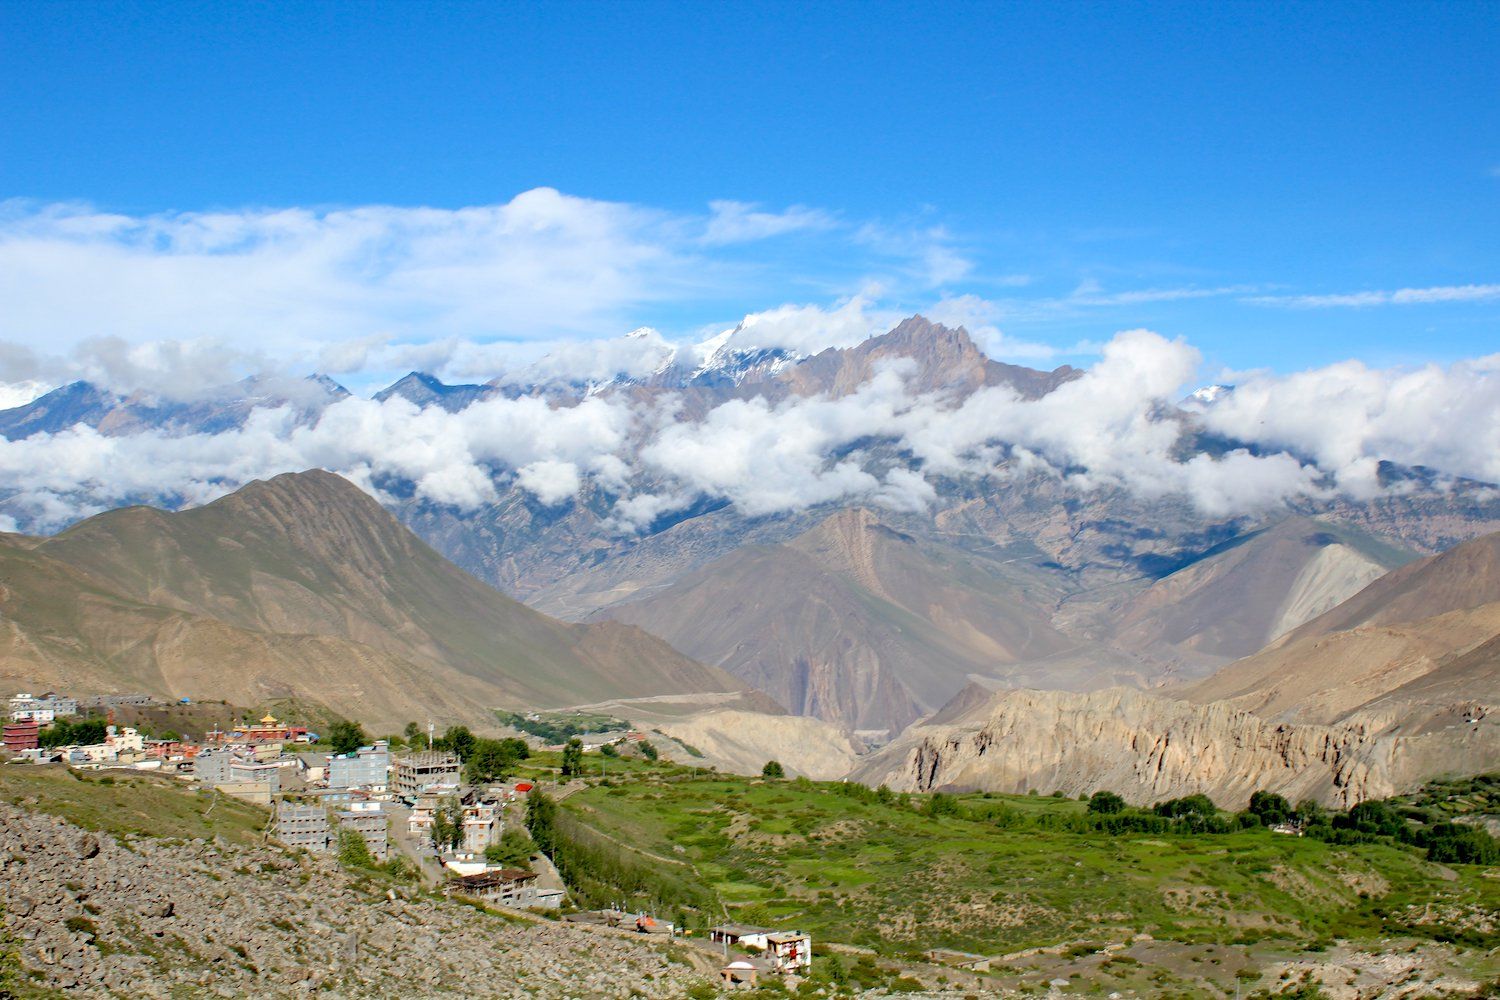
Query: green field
pixel 994 879
pixel 131 804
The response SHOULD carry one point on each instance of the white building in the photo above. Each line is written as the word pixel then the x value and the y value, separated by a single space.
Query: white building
pixel 44 709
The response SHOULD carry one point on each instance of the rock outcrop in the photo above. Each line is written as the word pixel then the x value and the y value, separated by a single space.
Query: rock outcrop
pixel 741 742
pixel 1148 748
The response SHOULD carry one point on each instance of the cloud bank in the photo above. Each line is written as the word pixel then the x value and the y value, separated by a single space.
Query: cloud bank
pixel 1313 433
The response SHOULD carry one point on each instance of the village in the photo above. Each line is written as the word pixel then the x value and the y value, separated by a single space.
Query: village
pixel 411 803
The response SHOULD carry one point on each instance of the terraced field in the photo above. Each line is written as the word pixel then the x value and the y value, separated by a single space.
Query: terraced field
pixel 999 875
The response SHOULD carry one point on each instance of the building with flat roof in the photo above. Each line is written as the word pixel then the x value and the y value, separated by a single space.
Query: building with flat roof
pixel 507 887
pixel 22 736
pixel 368 767
pixel 216 766
pixel 370 824
pixel 43 709
pixel 422 772
pixel 304 827
pixel 482 827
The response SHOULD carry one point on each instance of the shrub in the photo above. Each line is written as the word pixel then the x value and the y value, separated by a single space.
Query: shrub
pixel 940 804
pixel 1106 803
pixel 773 769
pixel 1270 808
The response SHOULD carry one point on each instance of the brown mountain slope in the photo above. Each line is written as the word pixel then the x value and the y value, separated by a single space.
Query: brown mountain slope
pixel 860 624
pixel 1464 576
pixel 1254 589
pixel 945 359
pixel 1341 715
pixel 1413 622
pixel 304 585
pixel 1327 678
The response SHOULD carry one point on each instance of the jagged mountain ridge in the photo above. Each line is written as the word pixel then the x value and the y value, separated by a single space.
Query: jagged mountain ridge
pixel 1109 562
pixel 1338 715
pixel 218 409
pixel 304 586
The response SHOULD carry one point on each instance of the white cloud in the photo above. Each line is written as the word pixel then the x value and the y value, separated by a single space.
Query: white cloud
pixel 808 329
pixel 1114 426
pixel 1398 297
pixel 740 222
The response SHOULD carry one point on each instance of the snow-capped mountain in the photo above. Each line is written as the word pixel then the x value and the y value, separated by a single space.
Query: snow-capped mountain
pixel 1202 398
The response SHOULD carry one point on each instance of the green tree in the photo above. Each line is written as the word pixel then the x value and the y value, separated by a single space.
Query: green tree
pixel 647 749
pixel 541 821
pixel 353 851
pixel 448 825
pixel 412 732
pixel 1189 806
pixel 1309 812
pixel 572 758
pixel 491 760
pixel 459 740
pixel 940 804
pixel 346 737
pixel 63 733
pixel 773 769
pixel 1270 808
pixel 513 851
pixel 1106 803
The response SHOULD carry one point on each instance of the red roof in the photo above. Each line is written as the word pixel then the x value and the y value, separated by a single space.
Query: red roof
pixel 523 786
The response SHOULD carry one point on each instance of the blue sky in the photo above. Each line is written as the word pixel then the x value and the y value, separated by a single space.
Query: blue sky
pixel 1284 185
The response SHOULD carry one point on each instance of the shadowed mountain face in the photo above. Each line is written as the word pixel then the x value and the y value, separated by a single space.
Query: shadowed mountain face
pixel 304 586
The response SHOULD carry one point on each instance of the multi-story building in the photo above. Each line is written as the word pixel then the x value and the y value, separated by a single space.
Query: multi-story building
pixel 121 744
pixel 303 826
pixel 368 767
pixel 115 701
pixel 424 771
pixel 42 709
pixel 368 821
pixel 268 730
pixel 217 766
pixel 482 827
pixel 21 736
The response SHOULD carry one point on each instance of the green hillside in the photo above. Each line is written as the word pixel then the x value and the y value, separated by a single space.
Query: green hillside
pixel 996 875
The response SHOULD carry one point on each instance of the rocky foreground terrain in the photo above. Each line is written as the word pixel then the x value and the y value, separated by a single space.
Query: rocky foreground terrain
pixel 95 916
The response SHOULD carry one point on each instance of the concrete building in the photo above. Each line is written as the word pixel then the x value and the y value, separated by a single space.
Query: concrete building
pixel 115 701
pixel 42 709
pixel 21 736
pixel 368 767
pixel 211 766
pixel 367 820
pixel 305 827
pixel 507 887
pixel 742 935
pixel 216 767
pixel 482 827
pixel 313 767
pixel 424 771
pixel 790 951
pixel 266 773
